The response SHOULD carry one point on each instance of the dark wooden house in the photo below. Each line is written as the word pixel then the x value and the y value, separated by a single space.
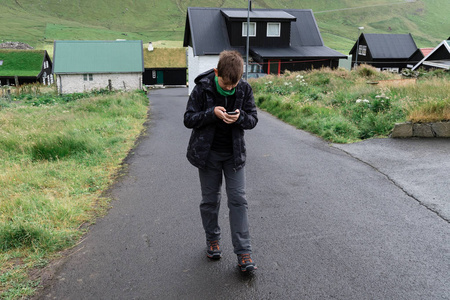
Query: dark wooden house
pixel 19 67
pixel 280 39
pixel 386 52
pixel 439 58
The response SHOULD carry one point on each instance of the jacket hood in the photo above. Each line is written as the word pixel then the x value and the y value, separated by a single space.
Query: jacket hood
pixel 204 75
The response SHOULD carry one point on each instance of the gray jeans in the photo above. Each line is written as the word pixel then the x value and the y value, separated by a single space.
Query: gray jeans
pixel 219 165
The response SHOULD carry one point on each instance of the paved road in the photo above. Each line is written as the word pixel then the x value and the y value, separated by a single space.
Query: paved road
pixel 325 225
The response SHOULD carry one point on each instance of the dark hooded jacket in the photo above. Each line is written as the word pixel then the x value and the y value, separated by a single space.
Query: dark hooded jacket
pixel 200 117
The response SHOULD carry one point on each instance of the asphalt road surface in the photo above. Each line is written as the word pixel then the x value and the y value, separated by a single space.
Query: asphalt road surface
pixel 325 224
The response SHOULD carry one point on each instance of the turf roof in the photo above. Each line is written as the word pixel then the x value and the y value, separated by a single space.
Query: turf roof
pixel 21 62
pixel 165 58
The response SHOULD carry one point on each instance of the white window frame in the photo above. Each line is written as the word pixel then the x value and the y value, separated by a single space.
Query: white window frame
pixel 244 29
pixel 88 77
pixel 279 29
pixel 362 50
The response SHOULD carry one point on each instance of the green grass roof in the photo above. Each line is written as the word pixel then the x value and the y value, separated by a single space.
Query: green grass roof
pixel 165 58
pixel 97 57
pixel 21 62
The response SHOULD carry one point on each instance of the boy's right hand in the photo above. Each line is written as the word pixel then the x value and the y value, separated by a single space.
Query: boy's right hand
pixel 220 111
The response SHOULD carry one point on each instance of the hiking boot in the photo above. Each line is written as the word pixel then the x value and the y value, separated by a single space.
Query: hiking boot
pixel 246 263
pixel 213 251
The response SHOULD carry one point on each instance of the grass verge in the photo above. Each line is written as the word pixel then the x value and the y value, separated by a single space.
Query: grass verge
pixel 57 155
pixel 347 106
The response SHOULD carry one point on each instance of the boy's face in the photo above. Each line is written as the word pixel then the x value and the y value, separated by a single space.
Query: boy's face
pixel 224 83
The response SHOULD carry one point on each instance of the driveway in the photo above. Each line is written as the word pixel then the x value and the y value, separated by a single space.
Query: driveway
pixel 327 221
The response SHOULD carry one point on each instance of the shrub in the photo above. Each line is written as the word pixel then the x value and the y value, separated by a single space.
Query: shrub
pixel 366 71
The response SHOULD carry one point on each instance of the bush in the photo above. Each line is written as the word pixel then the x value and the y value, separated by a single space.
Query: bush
pixel 366 71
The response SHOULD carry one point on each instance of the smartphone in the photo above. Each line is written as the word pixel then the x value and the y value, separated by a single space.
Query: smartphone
pixel 232 112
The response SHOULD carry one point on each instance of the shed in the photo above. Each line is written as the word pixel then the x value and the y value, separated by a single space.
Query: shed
pixel 165 66
pixel 25 66
pixel 82 66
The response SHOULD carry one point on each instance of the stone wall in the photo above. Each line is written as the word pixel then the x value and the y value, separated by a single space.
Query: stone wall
pixel 406 130
pixel 76 83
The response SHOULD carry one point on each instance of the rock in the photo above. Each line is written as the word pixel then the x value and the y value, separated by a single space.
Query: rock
pixel 422 130
pixel 441 129
pixel 402 130
pixel 15 45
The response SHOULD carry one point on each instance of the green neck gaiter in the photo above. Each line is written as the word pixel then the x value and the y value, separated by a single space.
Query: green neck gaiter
pixel 222 91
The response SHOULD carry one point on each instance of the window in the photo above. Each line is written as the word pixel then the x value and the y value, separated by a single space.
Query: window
pixel 362 50
pixel 45 64
pixel 273 29
pixel 86 76
pixel 251 31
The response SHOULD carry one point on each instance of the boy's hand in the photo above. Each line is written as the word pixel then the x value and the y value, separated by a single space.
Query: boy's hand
pixel 221 113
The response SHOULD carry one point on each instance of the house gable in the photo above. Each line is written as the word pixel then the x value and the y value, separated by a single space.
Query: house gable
pixel 438 58
pixel 206 31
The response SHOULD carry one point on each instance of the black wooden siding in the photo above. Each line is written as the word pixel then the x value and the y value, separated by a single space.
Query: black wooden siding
pixel 165 76
pixel 261 39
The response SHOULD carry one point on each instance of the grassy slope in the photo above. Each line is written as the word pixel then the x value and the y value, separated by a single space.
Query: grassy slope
pixel 39 22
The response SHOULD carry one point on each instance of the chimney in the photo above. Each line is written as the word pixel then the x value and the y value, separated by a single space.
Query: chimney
pixel 150 46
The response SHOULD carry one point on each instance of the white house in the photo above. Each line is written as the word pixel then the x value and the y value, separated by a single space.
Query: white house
pixel 81 66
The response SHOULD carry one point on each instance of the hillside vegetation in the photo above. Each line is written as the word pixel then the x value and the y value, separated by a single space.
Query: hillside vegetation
pixel 39 22
pixel 346 106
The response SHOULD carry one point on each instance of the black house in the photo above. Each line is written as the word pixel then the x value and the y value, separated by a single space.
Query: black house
pixel 19 67
pixel 386 52
pixel 439 58
pixel 280 39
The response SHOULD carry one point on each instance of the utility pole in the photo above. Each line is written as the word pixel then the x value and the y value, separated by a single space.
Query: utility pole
pixel 248 39
pixel 357 47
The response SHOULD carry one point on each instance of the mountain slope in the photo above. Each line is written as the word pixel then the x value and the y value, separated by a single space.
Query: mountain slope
pixel 39 22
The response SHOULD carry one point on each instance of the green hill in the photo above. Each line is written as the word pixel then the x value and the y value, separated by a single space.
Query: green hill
pixel 39 22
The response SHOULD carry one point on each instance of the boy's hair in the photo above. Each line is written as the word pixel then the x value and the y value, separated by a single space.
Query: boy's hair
pixel 230 66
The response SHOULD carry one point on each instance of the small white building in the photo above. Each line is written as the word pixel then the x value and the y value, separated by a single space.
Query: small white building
pixel 81 66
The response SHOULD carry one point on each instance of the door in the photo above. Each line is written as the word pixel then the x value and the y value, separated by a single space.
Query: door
pixel 274 66
pixel 159 77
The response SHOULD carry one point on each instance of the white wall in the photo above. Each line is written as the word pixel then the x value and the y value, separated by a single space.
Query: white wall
pixel 198 65
pixel 75 83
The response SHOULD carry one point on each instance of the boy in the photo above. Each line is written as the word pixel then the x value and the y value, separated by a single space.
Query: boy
pixel 219 108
